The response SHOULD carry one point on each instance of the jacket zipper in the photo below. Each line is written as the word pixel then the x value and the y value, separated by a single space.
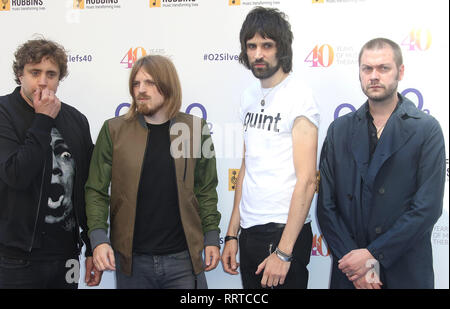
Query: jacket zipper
pixel 39 206
pixel 74 203
pixel 185 168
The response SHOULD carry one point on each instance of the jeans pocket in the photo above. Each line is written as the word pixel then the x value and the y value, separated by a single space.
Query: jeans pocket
pixel 12 263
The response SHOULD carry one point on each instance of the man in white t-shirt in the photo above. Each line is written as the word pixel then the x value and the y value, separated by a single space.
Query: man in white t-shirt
pixel 277 179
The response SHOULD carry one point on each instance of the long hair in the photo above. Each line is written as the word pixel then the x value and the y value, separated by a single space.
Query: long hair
pixel 166 81
pixel 269 23
pixel 33 51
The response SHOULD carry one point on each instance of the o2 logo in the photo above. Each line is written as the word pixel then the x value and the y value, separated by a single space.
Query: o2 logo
pixel 338 109
pixel 417 40
pixel 415 92
pixel 321 56
pixel 132 55
pixel 119 108
pixel 189 110
pixel 419 98
pixel 319 247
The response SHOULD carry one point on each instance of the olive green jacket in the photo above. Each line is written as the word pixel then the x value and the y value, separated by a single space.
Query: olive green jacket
pixel 118 159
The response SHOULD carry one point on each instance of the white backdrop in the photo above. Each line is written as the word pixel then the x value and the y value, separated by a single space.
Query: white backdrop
pixel 103 37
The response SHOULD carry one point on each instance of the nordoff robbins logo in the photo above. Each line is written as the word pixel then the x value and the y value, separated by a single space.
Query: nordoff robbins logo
pixel 173 3
pixel 16 5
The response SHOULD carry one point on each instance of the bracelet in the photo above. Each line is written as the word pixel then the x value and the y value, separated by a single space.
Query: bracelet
pixel 283 256
pixel 227 238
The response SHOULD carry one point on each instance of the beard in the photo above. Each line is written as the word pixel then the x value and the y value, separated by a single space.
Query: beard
pixel 266 72
pixel 146 108
pixel 384 92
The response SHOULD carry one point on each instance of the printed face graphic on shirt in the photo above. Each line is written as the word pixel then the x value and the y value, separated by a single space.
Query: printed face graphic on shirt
pixel 61 186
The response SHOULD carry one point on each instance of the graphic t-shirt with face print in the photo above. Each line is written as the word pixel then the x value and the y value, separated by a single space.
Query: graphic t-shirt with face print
pixel 59 224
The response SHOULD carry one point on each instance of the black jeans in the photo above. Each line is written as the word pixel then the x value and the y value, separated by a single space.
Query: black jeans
pixel 46 274
pixel 257 242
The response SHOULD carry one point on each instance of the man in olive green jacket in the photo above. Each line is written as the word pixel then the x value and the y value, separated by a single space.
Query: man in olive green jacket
pixel 163 201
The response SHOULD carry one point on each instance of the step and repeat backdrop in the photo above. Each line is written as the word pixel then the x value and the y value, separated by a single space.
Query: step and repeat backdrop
pixel 105 37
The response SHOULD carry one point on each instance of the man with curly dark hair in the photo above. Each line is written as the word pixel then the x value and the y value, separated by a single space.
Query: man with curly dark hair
pixel 45 149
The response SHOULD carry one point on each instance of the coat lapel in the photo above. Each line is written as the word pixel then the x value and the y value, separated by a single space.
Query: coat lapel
pixel 360 141
pixel 395 134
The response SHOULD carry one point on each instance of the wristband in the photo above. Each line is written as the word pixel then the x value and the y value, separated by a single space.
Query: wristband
pixel 227 238
pixel 283 256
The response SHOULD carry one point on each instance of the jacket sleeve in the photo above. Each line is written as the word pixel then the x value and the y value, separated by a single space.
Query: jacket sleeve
pixel 332 225
pixel 425 207
pixel 205 183
pixel 97 187
pixel 89 148
pixel 20 162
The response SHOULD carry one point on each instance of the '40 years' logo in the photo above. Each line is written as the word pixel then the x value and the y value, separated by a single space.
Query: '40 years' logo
pixel 406 92
pixel 321 56
pixel 417 40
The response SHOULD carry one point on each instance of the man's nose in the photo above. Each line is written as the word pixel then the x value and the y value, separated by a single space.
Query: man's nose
pixel 142 88
pixel 258 53
pixel 43 81
pixel 374 75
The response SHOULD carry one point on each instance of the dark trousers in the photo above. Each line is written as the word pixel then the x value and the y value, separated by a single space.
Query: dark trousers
pixel 31 274
pixel 257 242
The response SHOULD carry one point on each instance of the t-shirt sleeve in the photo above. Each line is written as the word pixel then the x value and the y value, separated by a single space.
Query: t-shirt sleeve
pixel 305 105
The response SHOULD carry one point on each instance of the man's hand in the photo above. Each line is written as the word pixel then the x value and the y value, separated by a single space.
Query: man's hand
pixel 369 281
pixel 212 257
pixel 229 263
pixel 93 276
pixel 356 263
pixel 275 271
pixel 45 102
pixel 104 257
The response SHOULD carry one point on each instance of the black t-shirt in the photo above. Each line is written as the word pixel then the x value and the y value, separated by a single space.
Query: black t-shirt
pixel 158 228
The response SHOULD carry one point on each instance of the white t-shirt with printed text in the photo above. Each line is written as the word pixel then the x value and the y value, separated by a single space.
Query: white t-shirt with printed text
pixel 270 178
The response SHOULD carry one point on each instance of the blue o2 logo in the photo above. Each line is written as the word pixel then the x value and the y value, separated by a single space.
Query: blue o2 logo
pixel 343 106
pixel 419 98
pixel 119 108
pixel 420 102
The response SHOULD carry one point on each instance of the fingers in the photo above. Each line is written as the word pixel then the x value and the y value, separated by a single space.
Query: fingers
pixel 111 259
pixel 212 256
pixel 229 263
pixel 45 102
pixel 37 96
pixel 275 271
pixel 104 257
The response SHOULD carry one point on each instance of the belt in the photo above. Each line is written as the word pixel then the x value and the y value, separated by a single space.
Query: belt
pixel 264 228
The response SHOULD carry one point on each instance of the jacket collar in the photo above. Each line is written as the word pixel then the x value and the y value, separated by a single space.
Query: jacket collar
pixel 395 134
pixel 143 123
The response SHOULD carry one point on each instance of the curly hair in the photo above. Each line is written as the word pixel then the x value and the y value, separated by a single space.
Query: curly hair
pixel 33 51
pixel 271 23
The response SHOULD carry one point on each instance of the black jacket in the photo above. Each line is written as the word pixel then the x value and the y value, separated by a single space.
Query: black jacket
pixel 24 147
